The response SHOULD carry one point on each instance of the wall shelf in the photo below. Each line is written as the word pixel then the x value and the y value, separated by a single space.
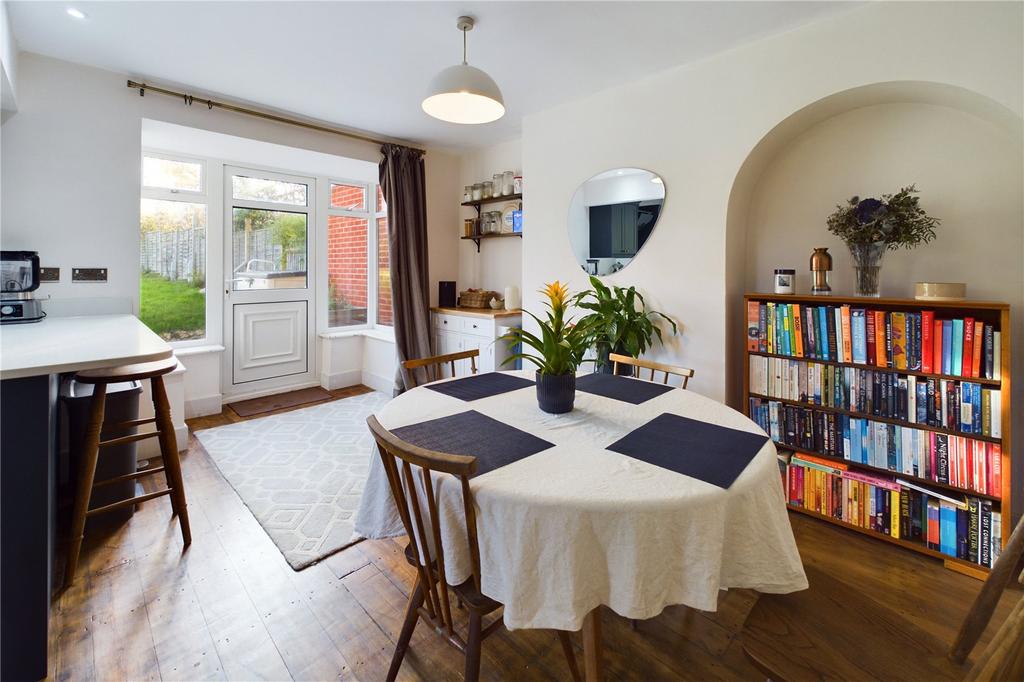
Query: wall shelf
pixel 501 235
pixel 492 200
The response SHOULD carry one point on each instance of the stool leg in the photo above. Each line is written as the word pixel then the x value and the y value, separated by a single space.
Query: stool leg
pixel 169 452
pixel 90 455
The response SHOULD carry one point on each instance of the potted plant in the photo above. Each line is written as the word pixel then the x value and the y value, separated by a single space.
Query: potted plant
pixel 560 347
pixel 619 322
pixel 870 226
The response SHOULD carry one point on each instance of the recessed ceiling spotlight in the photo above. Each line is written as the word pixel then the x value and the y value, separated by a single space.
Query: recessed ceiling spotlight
pixel 76 13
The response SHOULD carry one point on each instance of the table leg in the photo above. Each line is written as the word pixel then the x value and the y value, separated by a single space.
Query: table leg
pixel 592 664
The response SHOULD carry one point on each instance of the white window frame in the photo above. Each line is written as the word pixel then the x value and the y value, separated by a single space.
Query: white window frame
pixel 212 312
pixel 370 214
pixel 376 278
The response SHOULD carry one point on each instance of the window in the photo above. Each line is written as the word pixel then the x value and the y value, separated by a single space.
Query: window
pixel 172 255
pixel 358 273
pixel 266 189
pixel 173 175
pixel 268 246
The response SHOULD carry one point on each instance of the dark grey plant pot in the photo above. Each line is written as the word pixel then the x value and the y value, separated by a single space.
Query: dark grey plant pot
pixel 606 366
pixel 556 393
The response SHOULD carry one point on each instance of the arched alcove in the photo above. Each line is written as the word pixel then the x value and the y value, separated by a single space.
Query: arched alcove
pixel 964 152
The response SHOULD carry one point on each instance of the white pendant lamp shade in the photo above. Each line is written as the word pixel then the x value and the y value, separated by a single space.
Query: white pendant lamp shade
pixel 463 93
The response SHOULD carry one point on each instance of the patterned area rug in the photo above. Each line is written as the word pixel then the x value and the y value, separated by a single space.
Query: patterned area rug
pixel 301 473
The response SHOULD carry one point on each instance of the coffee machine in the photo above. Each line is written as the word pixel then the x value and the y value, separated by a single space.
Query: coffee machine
pixel 19 277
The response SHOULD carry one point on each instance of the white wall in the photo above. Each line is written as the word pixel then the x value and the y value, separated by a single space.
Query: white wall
pixel 499 262
pixel 695 126
pixel 8 64
pixel 967 169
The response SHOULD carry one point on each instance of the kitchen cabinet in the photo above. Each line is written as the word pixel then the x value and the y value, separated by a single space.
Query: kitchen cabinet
pixel 458 330
pixel 613 230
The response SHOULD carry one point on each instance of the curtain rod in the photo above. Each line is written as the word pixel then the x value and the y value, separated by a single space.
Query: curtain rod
pixel 211 103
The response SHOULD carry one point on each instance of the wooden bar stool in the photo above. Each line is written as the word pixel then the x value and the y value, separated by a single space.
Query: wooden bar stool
pixel 154 372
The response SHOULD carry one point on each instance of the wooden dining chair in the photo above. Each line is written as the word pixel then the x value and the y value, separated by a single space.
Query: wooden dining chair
pixel 434 365
pixel 431 595
pixel 684 373
pixel 836 630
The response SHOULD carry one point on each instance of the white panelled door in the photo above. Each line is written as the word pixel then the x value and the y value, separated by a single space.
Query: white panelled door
pixel 269 303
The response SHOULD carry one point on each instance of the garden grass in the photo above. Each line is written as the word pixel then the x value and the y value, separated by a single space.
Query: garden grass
pixel 173 309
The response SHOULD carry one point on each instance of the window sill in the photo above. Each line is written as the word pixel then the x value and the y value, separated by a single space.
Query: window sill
pixel 378 334
pixel 198 350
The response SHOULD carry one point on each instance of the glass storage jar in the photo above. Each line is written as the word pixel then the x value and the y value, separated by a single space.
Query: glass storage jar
pixel 478 192
pixel 467 194
pixel 488 190
pixel 507 183
pixel 496 181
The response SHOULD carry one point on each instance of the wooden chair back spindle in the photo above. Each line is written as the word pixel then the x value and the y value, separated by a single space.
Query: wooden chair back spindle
pixel 684 373
pixel 432 366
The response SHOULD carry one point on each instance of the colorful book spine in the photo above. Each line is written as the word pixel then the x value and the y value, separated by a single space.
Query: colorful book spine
pixel 967 359
pixel 947 347
pixel 956 360
pixel 844 316
pixel 927 344
pixel 899 340
pixel 753 326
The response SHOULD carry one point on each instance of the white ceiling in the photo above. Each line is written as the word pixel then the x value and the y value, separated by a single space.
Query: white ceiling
pixel 365 65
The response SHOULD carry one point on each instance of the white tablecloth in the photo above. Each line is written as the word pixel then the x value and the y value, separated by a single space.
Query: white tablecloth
pixel 576 526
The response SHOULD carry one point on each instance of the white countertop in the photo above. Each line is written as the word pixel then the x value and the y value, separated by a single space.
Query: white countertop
pixel 70 344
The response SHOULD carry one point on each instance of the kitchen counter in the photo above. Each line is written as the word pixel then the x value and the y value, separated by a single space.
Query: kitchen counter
pixel 70 344
pixel 32 358
pixel 486 313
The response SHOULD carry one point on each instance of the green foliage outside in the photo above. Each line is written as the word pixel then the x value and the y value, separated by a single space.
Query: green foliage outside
pixel 286 229
pixel 174 310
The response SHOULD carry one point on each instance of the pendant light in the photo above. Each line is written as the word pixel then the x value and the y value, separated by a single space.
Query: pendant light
pixel 463 93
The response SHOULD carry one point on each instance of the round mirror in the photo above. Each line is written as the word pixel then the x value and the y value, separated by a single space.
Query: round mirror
pixel 611 217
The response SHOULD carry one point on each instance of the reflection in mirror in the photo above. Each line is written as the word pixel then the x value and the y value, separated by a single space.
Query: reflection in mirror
pixel 611 217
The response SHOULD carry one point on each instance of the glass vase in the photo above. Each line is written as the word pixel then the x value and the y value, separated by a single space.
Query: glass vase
pixel 867 267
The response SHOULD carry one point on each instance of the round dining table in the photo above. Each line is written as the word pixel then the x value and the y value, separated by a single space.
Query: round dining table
pixel 643 496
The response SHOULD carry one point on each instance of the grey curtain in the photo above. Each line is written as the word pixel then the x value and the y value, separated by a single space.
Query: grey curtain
pixel 402 180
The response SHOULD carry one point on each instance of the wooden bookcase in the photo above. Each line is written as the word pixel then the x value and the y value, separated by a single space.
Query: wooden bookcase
pixel 993 313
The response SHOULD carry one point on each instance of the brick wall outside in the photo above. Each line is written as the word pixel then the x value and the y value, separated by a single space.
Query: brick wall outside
pixel 346 262
pixel 351 197
pixel 384 315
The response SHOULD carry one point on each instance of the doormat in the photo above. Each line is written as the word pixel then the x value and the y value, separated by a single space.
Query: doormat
pixel 254 406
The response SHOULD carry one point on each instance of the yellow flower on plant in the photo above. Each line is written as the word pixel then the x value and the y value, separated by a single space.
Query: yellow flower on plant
pixel 557 293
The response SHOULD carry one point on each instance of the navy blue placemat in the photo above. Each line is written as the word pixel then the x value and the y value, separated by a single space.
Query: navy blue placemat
pixel 492 442
pixel 626 389
pixel 480 385
pixel 714 454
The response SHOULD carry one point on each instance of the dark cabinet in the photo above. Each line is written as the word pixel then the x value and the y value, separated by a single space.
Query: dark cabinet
pixel 613 230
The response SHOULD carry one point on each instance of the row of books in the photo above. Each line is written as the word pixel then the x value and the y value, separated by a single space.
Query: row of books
pixel 958 461
pixel 968 529
pixel 915 341
pixel 962 406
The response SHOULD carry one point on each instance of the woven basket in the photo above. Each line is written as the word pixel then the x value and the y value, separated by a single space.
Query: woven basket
pixel 476 298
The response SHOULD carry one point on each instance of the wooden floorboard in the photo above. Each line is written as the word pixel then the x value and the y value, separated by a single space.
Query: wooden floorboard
pixel 230 607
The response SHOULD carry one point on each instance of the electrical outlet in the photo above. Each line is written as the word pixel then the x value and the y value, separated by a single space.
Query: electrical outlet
pixel 49 274
pixel 89 275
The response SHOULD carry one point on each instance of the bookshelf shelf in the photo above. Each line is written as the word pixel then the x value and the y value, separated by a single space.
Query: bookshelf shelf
pixel 989 312
pixel 871 417
pixel 876 368
pixel 958 565
pixel 927 482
